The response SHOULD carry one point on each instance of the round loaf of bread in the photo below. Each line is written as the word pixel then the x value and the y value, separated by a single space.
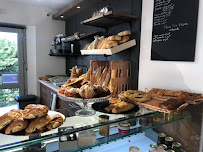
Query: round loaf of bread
pixel 87 91
pixel 72 92
pixel 114 38
pixel 124 33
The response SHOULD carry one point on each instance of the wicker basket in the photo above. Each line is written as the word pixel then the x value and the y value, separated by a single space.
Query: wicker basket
pixel 120 75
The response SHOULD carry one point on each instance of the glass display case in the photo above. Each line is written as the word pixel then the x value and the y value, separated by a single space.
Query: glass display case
pixel 84 133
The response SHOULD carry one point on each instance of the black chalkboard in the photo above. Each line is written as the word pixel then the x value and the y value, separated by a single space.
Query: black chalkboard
pixel 174 30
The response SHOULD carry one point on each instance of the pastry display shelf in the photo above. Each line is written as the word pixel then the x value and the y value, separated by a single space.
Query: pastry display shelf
pixel 91 123
pixel 110 51
pixel 109 19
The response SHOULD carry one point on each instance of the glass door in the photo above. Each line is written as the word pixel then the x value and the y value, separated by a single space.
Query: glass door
pixel 12 77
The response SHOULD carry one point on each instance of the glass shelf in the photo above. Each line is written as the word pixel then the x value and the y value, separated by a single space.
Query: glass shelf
pixel 145 119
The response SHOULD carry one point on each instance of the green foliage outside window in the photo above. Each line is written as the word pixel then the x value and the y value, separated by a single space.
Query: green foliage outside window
pixel 8 64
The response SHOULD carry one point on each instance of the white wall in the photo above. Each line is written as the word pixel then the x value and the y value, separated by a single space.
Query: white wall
pixel 41 30
pixel 169 75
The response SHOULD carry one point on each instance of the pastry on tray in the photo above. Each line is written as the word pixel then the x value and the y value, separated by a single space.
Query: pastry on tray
pixel 38 124
pixel 172 93
pixel 34 110
pixel 17 125
pixel 118 106
pixel 56 120
pixel 172 104
pixel 8 117
pixel 137 96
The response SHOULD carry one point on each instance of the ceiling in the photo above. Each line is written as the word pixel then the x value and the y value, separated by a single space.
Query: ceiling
pixel 54 4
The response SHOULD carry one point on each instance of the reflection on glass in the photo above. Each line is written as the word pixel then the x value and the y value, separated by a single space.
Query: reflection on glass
pixel 7 96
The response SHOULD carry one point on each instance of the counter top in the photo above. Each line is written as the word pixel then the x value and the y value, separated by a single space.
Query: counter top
pixel 49 85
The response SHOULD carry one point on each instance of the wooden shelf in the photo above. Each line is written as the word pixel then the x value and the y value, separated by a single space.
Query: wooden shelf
pixel 63 55
pixel 72 9
pixel 109 19
pixel 111 51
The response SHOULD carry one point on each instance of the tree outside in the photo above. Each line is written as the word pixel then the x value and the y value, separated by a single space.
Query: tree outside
pixel 8 64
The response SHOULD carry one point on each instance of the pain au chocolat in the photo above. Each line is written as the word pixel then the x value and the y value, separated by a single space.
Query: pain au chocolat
pixel 34 110
pixel 8 117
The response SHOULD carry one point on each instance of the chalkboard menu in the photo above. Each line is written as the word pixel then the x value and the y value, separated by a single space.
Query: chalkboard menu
pixel 174 30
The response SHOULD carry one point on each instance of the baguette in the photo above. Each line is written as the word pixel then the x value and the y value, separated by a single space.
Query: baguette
pixel 103 76
pixel 98 74
pixel 107 79
pixel 102 45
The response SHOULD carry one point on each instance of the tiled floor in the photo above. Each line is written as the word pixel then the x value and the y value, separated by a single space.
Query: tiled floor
pixel 7 109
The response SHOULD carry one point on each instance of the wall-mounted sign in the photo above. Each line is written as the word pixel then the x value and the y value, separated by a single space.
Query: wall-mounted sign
pixel 174 30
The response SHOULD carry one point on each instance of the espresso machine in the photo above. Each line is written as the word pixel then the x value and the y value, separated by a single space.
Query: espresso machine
pixel 59 47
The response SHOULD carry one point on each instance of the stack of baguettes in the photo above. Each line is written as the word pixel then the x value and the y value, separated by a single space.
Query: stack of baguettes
pixel 109 42
pixel 33 119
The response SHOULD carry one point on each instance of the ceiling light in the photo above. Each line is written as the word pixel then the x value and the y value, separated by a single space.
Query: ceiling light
pixel 78 7
pixel 62 16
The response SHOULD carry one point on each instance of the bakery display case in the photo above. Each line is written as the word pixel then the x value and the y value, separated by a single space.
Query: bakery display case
pixel 86 133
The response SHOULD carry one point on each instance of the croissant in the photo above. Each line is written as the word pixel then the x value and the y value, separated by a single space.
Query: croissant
pixel 7 118
pixel 17 125
pixel 56 120
pixel 38 124
pixel 32 111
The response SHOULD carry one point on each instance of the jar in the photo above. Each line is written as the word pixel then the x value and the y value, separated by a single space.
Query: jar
pixel 123 127
pixel 161 138
pixel 169 142
pixel 176 146
pixel 104 130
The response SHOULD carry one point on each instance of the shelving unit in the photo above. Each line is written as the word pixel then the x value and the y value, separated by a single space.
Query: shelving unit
pixel 109 19
pixel 111 51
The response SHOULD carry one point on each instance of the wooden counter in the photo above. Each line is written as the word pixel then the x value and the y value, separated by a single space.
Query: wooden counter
pixel 46 89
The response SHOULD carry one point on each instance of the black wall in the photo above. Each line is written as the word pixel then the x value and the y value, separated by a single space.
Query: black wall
pixel 132 7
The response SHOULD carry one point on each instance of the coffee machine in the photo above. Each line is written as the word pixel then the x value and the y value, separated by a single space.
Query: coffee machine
pixel 59 47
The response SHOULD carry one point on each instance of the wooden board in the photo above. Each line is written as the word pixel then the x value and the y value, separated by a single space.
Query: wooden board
pixel 111 51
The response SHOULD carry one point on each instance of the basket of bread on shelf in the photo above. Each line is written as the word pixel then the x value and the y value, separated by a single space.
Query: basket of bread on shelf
pixel 34 119
pixel 161 100
pixel 109 45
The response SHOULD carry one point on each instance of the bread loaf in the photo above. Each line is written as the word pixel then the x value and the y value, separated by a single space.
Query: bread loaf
pixel 114 38
pixel 111 44
pixel 124 39
pixel 74 73
pixel 87 91
pixel 103 44
pixel 103 76
pixel 72 92
pixel 86 46
pixel 107 79
pixel 98 74
pixel 124 33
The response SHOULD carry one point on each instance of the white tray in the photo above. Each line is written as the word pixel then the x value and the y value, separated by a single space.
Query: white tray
pixel 111 51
